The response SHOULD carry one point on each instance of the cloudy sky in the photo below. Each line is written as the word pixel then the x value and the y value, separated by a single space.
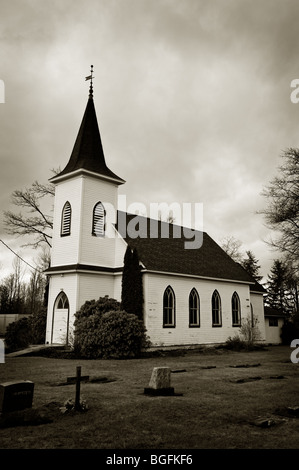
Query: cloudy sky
pixel 192 98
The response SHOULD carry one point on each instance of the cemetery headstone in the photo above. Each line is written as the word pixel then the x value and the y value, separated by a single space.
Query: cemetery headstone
pixel 15 396
pixel 160 382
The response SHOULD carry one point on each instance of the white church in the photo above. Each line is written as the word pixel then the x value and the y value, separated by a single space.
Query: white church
pixel 191 296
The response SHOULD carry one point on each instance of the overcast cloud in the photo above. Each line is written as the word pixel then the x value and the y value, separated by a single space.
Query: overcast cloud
pixel 192 98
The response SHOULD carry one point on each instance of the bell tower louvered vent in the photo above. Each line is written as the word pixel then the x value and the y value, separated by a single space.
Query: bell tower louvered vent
pixel 66 220
pixel 98 223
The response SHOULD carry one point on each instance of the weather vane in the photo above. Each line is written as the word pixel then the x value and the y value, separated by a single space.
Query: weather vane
pixel 90 77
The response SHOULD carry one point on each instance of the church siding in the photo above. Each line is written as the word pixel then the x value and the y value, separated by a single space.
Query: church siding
pixel 94 286
pixel 65 250
pixel 99 250
pixel 155 284
pixel 117 286
pixel 273 333
pixel 120 249
pixel 257 302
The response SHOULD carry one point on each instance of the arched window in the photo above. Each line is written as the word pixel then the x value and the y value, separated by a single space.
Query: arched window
pixel 62 301
pixel 169 308
pixel 98 220
pixel 66 220
pixel 194 308
pixel 216 309
pixel 236 310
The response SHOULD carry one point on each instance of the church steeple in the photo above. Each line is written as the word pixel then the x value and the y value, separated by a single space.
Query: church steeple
pixel 88 154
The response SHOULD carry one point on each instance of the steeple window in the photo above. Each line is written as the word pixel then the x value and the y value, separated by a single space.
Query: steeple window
pixel 66 220
pixel 98 220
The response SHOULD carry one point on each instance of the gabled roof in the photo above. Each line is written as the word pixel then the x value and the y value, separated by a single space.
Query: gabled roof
pixel 273 312
pixel 170 255
pixel 88 151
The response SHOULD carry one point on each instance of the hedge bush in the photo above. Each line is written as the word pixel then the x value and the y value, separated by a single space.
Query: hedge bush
pixel 18 335
pixel 122 335
pixel 38 324
pixel 97 307
pixel 235 343
pixel 28 330
pixel 86 337
pixel 102 330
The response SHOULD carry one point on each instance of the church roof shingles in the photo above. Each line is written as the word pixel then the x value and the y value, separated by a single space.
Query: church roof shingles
pixel 170 255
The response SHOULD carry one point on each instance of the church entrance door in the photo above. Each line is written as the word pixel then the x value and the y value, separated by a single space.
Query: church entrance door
pixel 60 329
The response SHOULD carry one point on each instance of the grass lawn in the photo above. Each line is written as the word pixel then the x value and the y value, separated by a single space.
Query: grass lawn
pixel 214 407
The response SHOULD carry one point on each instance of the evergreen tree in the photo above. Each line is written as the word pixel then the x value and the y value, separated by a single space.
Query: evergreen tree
pixel 293 288
pixel 277 290
pixel 126 281
pixel 132 290
pixel 138 287
pixel 250 264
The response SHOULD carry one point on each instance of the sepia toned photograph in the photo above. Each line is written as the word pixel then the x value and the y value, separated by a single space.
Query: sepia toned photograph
pixel 149 229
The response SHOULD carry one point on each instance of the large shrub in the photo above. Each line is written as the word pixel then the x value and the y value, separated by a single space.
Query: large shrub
pixel 37 324
pixel 18 335
pixel 87 336
pixel 97 307
pixel 122 335
pixel 27 330
pixel 102 330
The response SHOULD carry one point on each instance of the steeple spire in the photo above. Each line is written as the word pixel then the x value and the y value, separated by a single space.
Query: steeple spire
pixel 88 154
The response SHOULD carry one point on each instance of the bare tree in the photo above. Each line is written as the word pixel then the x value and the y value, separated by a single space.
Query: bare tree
pixel 168 218
pixel 33 220
pixel 282 211
pixel 232 247
pixel 250 331
pixel 14 288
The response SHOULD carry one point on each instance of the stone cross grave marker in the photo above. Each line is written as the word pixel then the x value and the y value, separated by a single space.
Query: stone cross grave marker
pixel 15 396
